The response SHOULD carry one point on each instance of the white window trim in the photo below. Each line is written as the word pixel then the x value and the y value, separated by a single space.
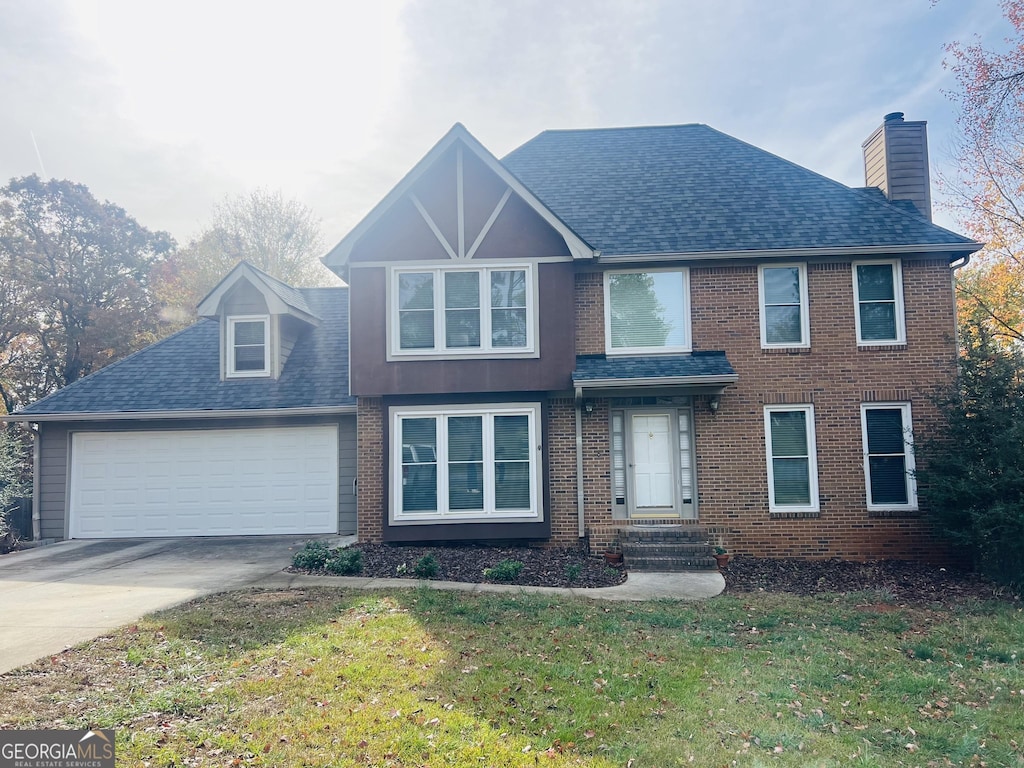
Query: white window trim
pixel 687 344
pixel 897 292
pixel 229 352
pixel 489 514
pixel 812 459
pixel 908 444
pixel 455 353
pixel 805 308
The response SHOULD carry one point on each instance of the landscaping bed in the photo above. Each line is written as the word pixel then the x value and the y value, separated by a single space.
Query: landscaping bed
pixel 891 580
pixel 542 566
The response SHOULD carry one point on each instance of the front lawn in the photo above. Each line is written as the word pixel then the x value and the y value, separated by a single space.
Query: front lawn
pixel 424 677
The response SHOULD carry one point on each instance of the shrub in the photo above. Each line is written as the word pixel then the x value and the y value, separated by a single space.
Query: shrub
pixel 345 561
pixel 506 570
pixel 972 473
pixel 427 567
pixel 312 557
pixel 573 571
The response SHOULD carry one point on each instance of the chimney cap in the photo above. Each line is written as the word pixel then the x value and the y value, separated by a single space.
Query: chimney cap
pixel 893 117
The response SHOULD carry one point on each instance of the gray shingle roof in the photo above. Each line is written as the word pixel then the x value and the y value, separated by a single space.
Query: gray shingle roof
pixel 691 189
pixel 710 365
pixel 290 295
pixel 182 372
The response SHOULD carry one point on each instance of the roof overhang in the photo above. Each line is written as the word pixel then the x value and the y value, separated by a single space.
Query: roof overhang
pixel 690 382
pixel 337 258
pixel 240 413
pixel 954 250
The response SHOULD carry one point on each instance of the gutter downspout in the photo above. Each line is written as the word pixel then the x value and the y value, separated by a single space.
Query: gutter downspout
pixel 36 490
pixel 580 526
pixel 956 315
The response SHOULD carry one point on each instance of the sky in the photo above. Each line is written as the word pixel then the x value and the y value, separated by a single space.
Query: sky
pixel 167 108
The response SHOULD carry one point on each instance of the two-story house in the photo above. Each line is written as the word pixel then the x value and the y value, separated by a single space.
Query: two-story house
pixel 604 329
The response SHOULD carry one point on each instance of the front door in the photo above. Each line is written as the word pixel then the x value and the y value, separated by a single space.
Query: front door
pixel 652 470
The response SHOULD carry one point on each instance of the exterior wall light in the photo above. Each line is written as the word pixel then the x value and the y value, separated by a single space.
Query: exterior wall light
pixel 714 403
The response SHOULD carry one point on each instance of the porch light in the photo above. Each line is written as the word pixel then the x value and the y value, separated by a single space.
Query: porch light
pixel 714 403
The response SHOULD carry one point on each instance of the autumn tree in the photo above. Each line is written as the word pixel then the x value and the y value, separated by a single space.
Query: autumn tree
pixel 988 183
pixel 281 236
pixel 74 286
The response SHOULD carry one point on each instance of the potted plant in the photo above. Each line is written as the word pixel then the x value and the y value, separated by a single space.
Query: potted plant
pixel 721 556
pixel 613 558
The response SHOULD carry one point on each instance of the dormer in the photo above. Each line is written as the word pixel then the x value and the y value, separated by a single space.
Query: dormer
pixel 260 320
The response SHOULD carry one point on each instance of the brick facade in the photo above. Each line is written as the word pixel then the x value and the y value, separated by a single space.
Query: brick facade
pixel 371 470
pixel 835 375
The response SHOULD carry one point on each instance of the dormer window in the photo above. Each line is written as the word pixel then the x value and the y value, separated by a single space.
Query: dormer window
pixel 248 346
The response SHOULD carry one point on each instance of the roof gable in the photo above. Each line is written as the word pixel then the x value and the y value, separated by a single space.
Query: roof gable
pixel 281 298
pixel 457 224
pixel 689 189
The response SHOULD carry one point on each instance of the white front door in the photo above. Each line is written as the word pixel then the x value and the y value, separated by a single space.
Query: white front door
pixel 653 484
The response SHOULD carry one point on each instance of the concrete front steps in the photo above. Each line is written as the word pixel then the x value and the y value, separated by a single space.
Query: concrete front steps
pixel 666 549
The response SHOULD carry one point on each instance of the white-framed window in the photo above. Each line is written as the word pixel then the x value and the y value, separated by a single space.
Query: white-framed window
pixel 878 295
pixel 647 311
pixel 462 463
pixel 457 311
pixel 888 456
pixel 792 458
pixel 248 346
pixel 785 317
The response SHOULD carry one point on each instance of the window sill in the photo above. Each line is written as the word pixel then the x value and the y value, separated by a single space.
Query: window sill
pixel 786 350
pixel 893 513
pixel 793 515
pixel 895 346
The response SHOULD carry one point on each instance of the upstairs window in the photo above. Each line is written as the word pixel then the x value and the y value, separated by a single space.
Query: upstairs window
pixel 647 311
pixel 878 293
pixel 782 291
pixel 248 346
pixel 458 311
pixel 888 457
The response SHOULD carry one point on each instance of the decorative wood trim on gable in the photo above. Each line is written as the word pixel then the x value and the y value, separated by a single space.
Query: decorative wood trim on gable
pixel 456 246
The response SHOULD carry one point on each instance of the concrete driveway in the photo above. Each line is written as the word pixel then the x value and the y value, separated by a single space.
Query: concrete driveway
pixel 57 596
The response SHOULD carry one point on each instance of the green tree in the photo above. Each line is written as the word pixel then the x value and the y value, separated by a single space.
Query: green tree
pixel 987 184
pixel 972 476
pixel 12 467
pixel 279 235
pixel 74 294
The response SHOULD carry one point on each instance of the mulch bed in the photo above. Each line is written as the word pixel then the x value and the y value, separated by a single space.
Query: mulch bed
pixel 896 580
pixel 892 581
pixel 542 566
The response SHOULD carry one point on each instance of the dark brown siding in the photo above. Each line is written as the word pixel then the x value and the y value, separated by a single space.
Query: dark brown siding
pixel 372 375
pixel 54 461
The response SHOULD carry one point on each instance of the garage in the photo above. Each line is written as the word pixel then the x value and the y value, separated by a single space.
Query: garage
pixel 215 482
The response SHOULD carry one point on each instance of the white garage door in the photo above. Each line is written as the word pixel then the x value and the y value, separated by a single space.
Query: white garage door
pixel 204 483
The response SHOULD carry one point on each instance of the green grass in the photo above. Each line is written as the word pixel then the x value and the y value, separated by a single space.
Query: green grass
pixel 428 677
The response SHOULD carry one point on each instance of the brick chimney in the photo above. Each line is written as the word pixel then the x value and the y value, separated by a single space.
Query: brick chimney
pixel 896 161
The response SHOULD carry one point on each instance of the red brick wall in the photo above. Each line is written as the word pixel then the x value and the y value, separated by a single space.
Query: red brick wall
pixel 834 374
pixel 371 466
